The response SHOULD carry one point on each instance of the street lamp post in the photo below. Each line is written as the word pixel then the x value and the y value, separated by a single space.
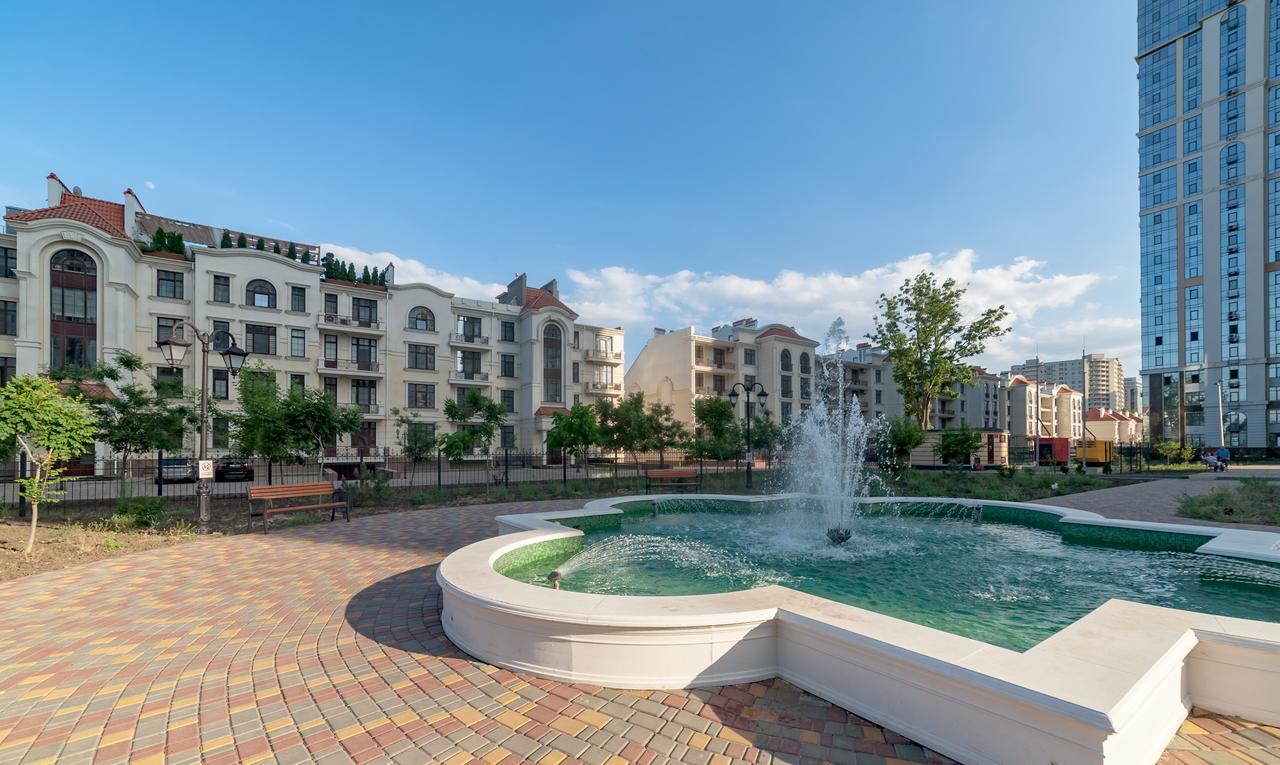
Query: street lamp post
pixel 174 350
pixel 762 396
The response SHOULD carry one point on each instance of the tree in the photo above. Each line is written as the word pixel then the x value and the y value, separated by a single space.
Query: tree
pixel 575 431
pixel 665 431
pixel 476 421
pixel 766 433
pixel 261 245
pixel 350 274
pixel 314 421
pixel 50 429
pixel 382 277
pixel 718 437
pixel 296 425
pixel 364 275
pixel 275 248
pixel 293 251
pixel 900 437
pixel 158 241
pixel 415 437
pixel 241 242
pixel 1170 450
pixel 173 242
pixel 922 330
pixel 624 425
pixel 226 240
pixel 330 265
pixel 957 445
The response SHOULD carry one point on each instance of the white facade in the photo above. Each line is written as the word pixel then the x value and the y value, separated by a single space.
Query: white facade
pixel 1104 389
pixel 1043 410
pixel 393 350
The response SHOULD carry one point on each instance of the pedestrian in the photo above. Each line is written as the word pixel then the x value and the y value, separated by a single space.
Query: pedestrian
pixel 1224 457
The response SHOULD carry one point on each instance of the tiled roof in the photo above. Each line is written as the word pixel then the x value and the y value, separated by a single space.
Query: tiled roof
pixel 547 411
pixel 536 298
pixel 778 330
pixel 99 213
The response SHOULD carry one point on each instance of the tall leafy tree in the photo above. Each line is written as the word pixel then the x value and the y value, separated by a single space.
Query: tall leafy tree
pixel 50 428
pixel 901 435
pixel 226 240
pixel 313 421
pixel 575 431
pixel 476 422
pixel 241 241
pixel 956 445
pixel 718 435
pixel 260 430
pixel 665 431
pixel 414 436
pixel 624 425
pixel 766 433
pixel 928 340
pixel 293 251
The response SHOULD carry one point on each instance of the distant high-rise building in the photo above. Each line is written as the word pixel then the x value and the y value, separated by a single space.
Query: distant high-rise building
pixel 1134 399
pixel 1209 217
pixel 1104 388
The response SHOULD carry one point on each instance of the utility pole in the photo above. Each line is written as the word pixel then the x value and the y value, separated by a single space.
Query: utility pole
pixel 1222 435
pixel 1084 397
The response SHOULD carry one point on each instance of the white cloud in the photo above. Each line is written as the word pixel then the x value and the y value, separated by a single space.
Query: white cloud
pixel 411 271
pixel 149 185
pixel 282 224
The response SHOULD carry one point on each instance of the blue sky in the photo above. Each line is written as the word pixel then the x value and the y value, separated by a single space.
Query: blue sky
pixel 671 162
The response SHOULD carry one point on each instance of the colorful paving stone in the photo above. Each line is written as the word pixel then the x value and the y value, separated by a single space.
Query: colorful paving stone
pixel 323 644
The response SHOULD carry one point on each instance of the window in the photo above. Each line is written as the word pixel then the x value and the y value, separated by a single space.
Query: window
pixel 8 317
pixel 169 284
pixel 749 356
pixel 260 293
pixel 422 396
pixel 169 382
pixel 367 436
pixel 221 289
pixel 576 344
pixel 8 369
pixel 297 343
pixel 878 397
pixel 508 365
pixel 422 357
pixel 552 364
pixel 805 367
pixel 167 328
pixel 877 377
pixel 364 310
pixel 422 432
pixel 470 366
pixel 73 309
pixel 331 348
pixel 331 388
pixel 786 412
pixel 8 262
pixel 364 394
pixel 469 327
pixel 786 386
pixel 297 298
pixel 576 372
pixel 330 303
pixel 509 331
pixel 804 388
pixel 508 398
pixel 422 318
pixel 297 382
pixel 260 339
pixel 364 351
pixel 221 433
pixel 508 436
pixel 221 384
pixel 786 360
pixel 221 335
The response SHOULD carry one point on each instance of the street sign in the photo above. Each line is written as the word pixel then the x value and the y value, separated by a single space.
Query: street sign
pixel 206 469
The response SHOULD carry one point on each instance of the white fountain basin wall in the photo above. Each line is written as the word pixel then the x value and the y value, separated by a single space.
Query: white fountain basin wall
pixel 1112 687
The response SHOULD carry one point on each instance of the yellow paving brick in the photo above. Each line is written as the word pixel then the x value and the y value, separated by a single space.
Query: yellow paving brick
pixel 458 759
pixel 405 717
pixel 259 757
pixel 699 741
pixel 568 725
pixel 593 718
pixel 758 690
pixel 151 759
pixel 810 737
pixel 437 717
pixel 513 720
pixel 33 680
pixel 1190 727
pixel 552 758
pixel 129 701
pixel 348 731
pixel 616 760
pixel 720 759
pixel 468 715
pixel 872 733
pixel 115 738
pixel 276 725
pixel 507 698
pixel 217 743
pixel 496 755
pixel 733 736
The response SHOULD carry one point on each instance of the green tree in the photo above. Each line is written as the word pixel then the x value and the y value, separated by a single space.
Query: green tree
pixel 1170 450
pixel 313 421
pixel 158 241
pixel 922 330
pixel 665 431
pixel 718 436
pixel 364 275
pixel 382 277
pixel 766 433
pixel 261 245
pixel 350 274
pixel 226 240
pixel 330 265
pixel 575 431
pixel 956 445
pixel 476 422
pixel 241 242
pixel 49 428
pixel 293 251
pixel 173 242
pixel 260 429
pixel 900 437
pixel 624 425
pixel 416 438
pixel 275 248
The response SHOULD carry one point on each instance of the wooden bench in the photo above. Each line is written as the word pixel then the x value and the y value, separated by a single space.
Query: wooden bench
pixel 679 479
pixel 338 498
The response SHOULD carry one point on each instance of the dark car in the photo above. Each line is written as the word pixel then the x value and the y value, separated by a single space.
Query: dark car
pixel 176 470
pixel 232 469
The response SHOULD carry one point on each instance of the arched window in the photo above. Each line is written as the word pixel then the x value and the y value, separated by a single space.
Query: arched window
pixel 552 364
pixel 73 309
pixel 786 360
pixel 422 318
pixel 260 293
pixel 804 364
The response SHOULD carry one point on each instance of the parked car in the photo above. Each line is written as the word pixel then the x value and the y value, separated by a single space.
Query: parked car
pixel 176 470
pixel 232 469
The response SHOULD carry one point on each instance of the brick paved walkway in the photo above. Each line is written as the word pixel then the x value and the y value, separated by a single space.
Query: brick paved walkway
pixel 1152 500
pixel 323 643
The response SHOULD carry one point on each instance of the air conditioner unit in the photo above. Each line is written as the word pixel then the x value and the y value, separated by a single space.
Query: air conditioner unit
pixel 1233 249
pixel 1233 273
pixel 1233 338
pixel 1233 315
pixel 1233 226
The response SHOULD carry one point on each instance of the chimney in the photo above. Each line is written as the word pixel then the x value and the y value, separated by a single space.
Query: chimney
pixel 390 273
pixel 553 288
pixel 659 331
pixel 132 206
pixel 56 189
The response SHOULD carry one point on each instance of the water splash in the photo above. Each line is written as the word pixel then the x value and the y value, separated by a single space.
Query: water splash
pixel 631 549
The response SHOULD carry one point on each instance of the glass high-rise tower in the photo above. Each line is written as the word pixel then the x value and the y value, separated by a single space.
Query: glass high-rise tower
pixel 1209 215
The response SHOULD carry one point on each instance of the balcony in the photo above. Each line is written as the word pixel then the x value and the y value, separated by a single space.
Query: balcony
pixel 706 390
pixel 723 364
pixel 351 323
pixel 355 366
pixel 370 408
pixel 604 357
pixel 702 362
pixel 468 378
pixel 456 338
pixel 595 386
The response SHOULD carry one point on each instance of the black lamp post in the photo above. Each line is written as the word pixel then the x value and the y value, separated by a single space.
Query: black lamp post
pixel 174 349
pixel 762 396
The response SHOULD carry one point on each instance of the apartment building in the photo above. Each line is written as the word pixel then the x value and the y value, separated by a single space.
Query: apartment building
pixel 677 367
pixel 982 404
pixel 1207 131
pixel 867 377
pixel 1110 425
pixel 1104 387
pixel 79 284
pixel 1134 399
pixel 1042 410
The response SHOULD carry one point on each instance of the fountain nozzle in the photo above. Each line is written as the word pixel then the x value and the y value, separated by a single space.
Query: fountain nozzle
pixel 555 577
pixel 838 535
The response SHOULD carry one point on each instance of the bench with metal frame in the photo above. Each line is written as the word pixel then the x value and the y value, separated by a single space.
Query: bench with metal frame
pixel 679 479
pixel 339 499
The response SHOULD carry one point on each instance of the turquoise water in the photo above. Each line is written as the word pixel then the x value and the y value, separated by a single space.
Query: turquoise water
pixel 1005 584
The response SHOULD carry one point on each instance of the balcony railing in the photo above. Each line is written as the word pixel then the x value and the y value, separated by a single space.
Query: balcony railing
pixel 595 386
pixel 366 408
pixel 353 322
pixel 724 364
pixel 465 339
pixel 701 361
pixel 468 377
pixel 349 365
pixel 611 357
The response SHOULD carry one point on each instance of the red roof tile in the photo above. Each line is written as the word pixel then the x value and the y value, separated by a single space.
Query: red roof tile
pixel 788 332
pixel 547 411
pixel 99 213
pixel 535 298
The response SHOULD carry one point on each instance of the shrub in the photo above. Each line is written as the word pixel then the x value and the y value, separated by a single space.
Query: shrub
pixel 141 512
pixel 371 487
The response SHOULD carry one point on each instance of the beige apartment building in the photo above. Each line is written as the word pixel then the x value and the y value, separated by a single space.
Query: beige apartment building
pixel 1110 425
pixel 78 285
pixel 678 367
pixel 1104 389
pixel 867 376
pixel 1042 410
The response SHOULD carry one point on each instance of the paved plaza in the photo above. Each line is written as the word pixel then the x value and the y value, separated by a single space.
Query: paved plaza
pixel 323 644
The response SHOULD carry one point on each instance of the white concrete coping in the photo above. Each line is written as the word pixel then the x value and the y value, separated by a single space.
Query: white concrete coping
pixel 1110 688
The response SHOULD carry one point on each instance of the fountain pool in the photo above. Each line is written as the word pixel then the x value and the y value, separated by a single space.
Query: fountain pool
pixel 1006 583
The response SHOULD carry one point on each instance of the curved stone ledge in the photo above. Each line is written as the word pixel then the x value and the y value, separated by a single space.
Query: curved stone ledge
pixel 1110 688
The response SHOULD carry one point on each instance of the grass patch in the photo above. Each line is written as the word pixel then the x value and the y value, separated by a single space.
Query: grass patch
pixel 1255 500
pixel 1020 486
